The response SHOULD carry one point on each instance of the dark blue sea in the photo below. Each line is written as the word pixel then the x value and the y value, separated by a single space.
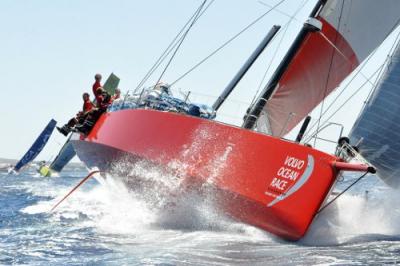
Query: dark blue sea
pixel 104 223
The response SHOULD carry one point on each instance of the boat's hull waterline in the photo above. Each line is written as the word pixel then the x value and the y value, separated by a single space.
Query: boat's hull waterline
pixel 268 182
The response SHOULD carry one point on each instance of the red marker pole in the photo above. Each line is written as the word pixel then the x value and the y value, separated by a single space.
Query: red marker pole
pixel 75 188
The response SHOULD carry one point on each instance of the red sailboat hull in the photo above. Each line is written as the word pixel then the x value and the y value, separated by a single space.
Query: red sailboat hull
pixel 274 184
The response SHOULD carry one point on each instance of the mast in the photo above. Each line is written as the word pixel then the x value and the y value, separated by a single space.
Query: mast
pixel 311 25
pixel 260 48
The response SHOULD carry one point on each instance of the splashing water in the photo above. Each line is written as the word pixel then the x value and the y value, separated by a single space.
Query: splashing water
pixel 152 222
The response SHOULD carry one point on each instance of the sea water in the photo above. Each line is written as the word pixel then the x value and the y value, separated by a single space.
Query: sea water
pixel 105 223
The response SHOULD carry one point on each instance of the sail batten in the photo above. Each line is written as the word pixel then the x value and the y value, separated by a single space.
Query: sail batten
pixel 351 30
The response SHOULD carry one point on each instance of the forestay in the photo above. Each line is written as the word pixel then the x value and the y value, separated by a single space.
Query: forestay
pixel 351 30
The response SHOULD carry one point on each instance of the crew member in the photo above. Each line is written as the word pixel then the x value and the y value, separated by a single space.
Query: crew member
pixel 87 103
pixel 103 100
pixel 97 83
pixel 80 116
pixel 117 95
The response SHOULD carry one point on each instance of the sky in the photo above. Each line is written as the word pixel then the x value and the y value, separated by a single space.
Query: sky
pixel 50 51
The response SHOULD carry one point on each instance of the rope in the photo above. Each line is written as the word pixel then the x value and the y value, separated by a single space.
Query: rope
pixel 226 43
pixel 341 193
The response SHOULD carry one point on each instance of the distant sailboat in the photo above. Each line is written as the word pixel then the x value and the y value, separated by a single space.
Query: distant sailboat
pixel 37 146
pixel 64 156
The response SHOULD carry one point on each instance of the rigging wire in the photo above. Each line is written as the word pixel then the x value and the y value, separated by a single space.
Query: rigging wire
pixel 162 57
pixel 171 46
pixel 329 75
pixel 281 12
pixel 341 193
pixel 348 85
pixel 291 18
pixel 357 73
pixel 181 41
pixel 344 56
pixel 389 56
pixel 226 43
pixel 341 92
pixel 379 74
pixel 344 103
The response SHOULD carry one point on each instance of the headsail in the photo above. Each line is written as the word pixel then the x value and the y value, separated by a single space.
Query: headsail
pixel 351 30
pixel 37 146
pixel 377 129
pixel 65 155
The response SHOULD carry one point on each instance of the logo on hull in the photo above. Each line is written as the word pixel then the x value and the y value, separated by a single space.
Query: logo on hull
pixel 287 182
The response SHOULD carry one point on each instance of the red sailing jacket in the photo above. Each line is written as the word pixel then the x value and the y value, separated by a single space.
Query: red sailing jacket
pixel 87 106
pixel 96 85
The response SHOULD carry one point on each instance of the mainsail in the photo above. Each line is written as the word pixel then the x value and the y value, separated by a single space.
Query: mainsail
pixel 65 155
pixel 37 146
pixel 377 130
pixel 351 30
